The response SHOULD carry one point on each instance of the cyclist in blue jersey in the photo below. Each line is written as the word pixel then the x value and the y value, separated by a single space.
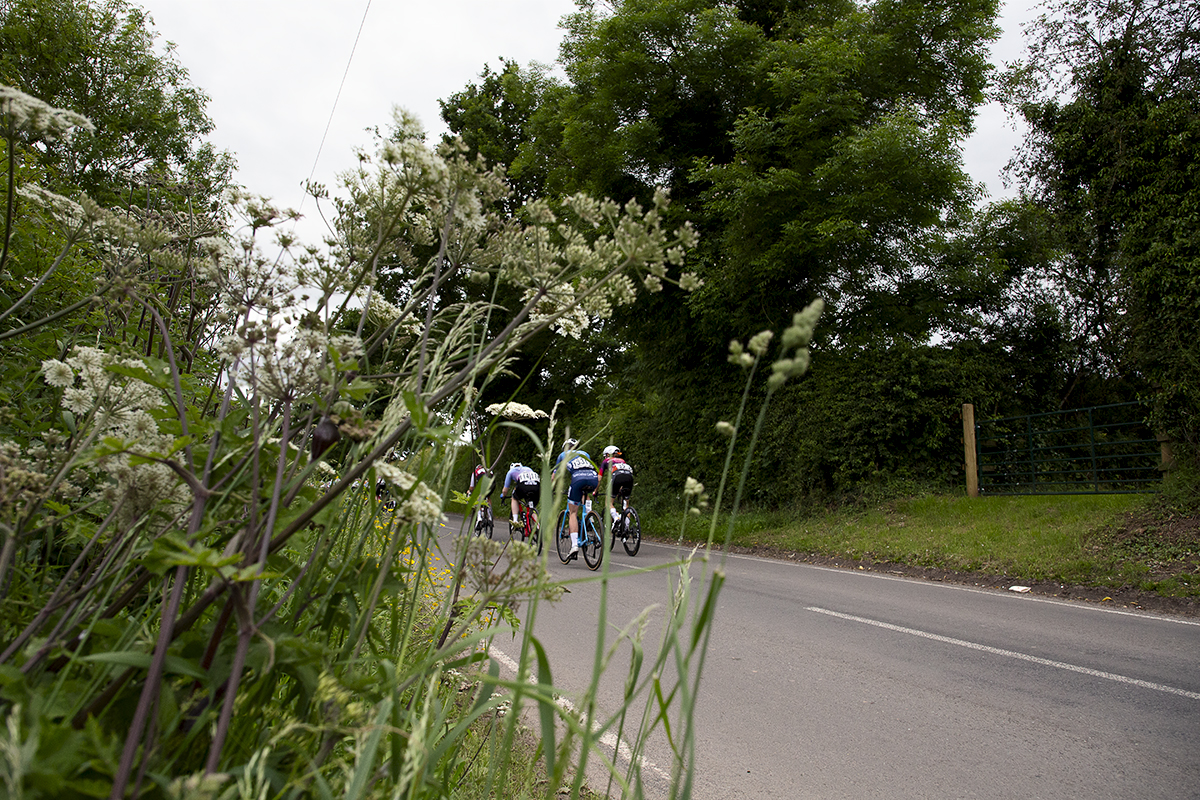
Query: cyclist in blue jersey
pixel 583 475
pixel 620 477
pixel 521 483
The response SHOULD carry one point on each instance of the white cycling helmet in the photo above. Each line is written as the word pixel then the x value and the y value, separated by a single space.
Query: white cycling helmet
pixel 612 450
pixel 515 465
pixel 570 444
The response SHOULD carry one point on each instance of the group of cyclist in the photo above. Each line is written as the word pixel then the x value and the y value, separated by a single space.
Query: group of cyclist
pixel 523 484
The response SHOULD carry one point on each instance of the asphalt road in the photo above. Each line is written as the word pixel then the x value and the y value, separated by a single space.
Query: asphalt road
pixel 826 683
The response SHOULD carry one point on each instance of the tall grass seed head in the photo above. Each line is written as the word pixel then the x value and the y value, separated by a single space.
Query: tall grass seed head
pixel 760 342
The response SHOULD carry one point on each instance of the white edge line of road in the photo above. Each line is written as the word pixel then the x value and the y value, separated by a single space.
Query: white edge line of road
pixel 621 750
pixel 1026 598
pixel 1045 662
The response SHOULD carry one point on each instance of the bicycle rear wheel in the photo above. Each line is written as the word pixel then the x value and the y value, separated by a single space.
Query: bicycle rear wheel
pixel 533 530
pixel 592 540
pixel 632 528
pixel 562 536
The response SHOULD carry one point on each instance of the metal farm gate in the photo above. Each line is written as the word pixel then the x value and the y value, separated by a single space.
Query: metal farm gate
pixel 1098 450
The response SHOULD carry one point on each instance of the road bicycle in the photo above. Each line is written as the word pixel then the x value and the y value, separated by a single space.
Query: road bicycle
pixel 628 528
pixel 591 534
pixel 531 528
pixel 484 524
pixel 384 497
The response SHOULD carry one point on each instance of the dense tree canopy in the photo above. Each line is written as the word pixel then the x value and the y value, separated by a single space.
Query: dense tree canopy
pixel 101 60
pixel 815 147
pixel 1111 91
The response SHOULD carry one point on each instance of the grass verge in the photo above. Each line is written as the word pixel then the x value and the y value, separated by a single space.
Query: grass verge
pixel 1117 541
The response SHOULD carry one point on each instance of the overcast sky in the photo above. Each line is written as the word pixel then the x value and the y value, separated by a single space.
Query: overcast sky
pixel 273 68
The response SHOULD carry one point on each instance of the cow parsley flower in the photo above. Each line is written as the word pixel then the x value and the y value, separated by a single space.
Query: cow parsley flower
pixel 514 410
pixel 690 282
pixel 57 374
pixel 38 119
pixel 77 401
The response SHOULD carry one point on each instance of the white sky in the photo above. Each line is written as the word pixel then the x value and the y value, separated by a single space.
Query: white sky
pixel 272 69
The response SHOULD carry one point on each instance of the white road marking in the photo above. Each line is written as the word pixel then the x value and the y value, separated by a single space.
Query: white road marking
pixel 1158 687
pixel 958 587
pixel 609 740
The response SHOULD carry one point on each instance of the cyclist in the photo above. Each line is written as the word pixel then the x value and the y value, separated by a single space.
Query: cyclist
pixel 522 483
pixel 583 474
pixel 620 477
pixel 477 475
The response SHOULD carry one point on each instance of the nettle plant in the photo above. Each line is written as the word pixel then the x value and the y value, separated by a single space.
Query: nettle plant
pixel 201 595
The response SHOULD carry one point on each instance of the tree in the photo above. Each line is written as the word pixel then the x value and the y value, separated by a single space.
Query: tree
pixel 1110 91
pixel 501 119
pixel 98 58
pixel 813 145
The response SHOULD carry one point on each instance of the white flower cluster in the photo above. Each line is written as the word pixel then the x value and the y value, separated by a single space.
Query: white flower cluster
pixel 580 271
pixel 410 162
pixel 39 120
pixel 513 410
pixel 114 398
pixel 521 574
pixel 421 505
pixel 116 405
pixel 559 304
pixel 694 489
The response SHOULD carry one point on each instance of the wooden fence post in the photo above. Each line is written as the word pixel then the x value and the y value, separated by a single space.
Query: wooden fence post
pixel 1167 458
pixel 968 415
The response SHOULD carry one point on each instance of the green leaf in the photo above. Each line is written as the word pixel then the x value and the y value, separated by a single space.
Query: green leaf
pixel 546 709
pixel 131 658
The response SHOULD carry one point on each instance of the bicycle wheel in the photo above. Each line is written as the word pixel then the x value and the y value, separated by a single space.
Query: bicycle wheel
pixel 592 542
pixel 615 533
pixel 562 536
pixel 632 527
pixel 486 524
pixel 534 530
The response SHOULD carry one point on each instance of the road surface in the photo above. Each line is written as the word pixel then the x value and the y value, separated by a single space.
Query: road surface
pixel 828 683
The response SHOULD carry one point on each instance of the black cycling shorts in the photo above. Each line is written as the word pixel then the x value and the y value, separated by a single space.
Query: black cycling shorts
pixel 622 484
pixel 527 492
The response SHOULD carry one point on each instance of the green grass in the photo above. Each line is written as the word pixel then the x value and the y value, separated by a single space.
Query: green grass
pixel 1078 539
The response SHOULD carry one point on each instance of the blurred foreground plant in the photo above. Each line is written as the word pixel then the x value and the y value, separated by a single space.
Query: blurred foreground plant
pixel 201 598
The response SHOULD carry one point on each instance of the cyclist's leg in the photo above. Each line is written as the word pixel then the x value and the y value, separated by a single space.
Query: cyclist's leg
pixel 574 498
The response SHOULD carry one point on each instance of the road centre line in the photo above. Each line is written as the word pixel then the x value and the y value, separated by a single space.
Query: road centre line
pixel 1158 687
pixel 609 739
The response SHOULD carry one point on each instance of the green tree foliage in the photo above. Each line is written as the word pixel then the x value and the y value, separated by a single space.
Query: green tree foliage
pixel 813 145
pixel 1111 91
pixel 98 58
pixel 508 119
